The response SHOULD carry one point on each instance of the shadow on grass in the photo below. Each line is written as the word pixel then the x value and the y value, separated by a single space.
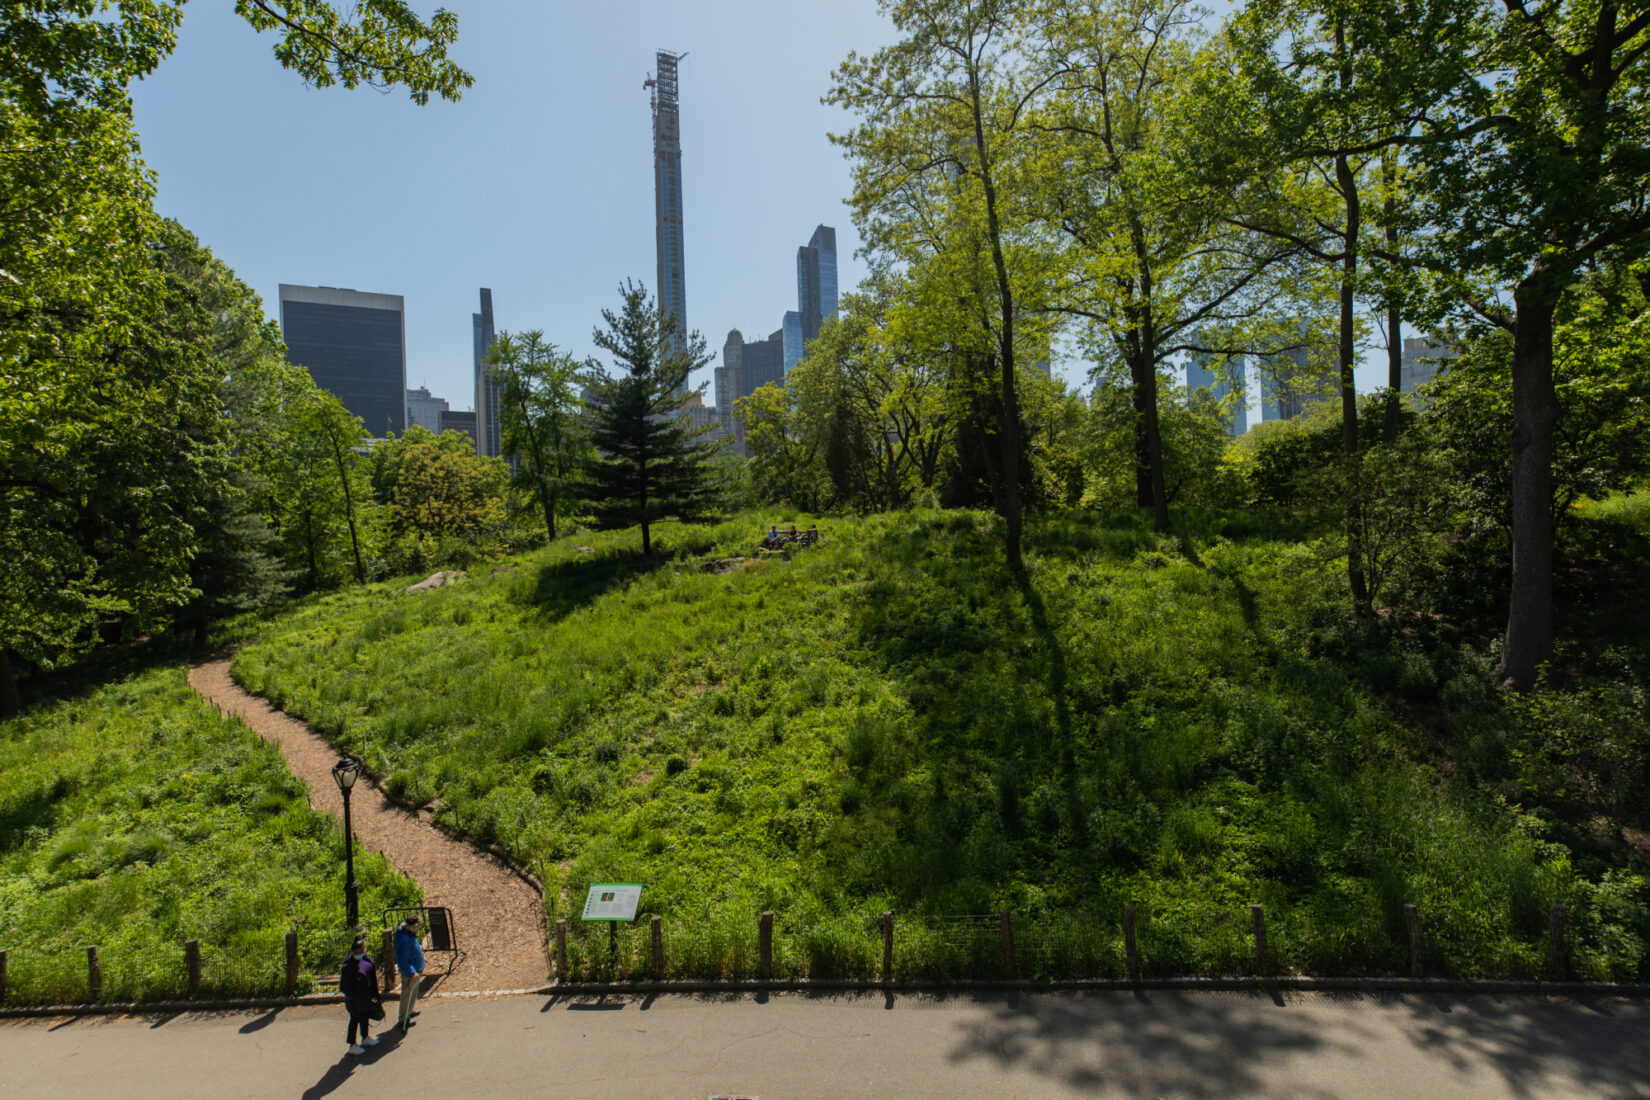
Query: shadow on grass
pixel 563 587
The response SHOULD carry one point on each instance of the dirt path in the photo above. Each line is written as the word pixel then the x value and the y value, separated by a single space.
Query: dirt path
pixel 495 911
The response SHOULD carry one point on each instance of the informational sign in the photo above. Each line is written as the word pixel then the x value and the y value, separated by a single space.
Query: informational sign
pixel 613 901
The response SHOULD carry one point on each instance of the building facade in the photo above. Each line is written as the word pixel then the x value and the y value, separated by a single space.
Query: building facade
pixel 816 281
pixel 667 194
pixel 746 366
pixel 354 346
pixel 1294 380
pixel 459 422
pixel 485 430
pixel 425 410
pixel 1222 382
pixel 1424 359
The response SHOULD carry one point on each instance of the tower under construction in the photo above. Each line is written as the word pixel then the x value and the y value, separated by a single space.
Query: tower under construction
pixel 667 193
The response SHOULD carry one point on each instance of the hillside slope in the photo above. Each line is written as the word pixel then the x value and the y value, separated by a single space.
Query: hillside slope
pixel 895 720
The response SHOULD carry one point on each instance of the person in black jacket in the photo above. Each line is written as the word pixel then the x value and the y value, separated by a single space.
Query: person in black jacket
pixel 358 983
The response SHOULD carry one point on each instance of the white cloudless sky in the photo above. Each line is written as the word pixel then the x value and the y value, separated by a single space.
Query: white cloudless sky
pixel 538 183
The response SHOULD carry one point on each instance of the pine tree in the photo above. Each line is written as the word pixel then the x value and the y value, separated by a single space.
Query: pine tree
pixel 650 462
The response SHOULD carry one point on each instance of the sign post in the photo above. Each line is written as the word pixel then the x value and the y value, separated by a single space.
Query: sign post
pixel 613 902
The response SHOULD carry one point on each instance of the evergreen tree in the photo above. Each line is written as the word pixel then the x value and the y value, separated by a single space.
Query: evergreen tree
pixel 650 462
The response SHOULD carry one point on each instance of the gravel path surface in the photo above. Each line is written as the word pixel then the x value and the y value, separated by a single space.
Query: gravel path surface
pixel 495 911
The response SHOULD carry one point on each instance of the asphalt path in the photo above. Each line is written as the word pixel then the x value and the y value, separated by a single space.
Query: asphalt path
pixel 1155 1044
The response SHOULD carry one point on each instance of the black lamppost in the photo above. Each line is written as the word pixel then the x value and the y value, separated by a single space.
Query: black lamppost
pixel 344 773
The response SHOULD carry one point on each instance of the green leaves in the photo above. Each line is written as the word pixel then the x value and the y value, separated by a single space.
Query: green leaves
pixel 385 44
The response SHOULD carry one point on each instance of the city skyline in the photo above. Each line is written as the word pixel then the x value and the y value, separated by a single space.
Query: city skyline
pixel 512 188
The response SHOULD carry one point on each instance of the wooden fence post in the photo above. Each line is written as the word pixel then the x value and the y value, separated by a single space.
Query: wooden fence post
pixel 764 943
pixel 192 964
pixel 658 948
pixel 561 952
pixel 1131 953
pixel 1555 940
pixel 2 977
pixel 291 962
pixel 94 975
pixel 887 946
pixel 1007 926
pixel 1412 921
pixel 386 959
pixel 1259 914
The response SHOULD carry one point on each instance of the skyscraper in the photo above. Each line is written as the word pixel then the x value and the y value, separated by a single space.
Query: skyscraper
pixel 1296 381
pixel 1424 359
pixel 1205 373
pixel 816 280
pixel 667 193
pixel 425 409
pixel 354 346
pixel 486 429
pixel 746 366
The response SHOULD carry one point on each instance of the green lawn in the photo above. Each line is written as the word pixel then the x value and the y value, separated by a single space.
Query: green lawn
pixel 133 817
pixel 895 721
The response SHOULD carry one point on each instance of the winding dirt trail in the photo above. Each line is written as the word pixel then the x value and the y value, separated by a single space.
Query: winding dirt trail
pixel 495 911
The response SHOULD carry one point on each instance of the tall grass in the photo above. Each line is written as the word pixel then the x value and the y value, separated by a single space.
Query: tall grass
pixel 133 817
pixel 895 720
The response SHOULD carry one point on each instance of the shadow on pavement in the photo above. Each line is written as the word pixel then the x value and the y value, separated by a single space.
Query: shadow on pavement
pixel 343 1069
pixel 1234 1044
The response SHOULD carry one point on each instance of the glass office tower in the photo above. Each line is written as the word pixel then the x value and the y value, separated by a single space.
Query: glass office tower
pixel 486 429
pixel 354 346
pixel 816 280
pixel 1205 373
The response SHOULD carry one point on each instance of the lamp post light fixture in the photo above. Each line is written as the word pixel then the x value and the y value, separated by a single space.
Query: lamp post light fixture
pixel 344 773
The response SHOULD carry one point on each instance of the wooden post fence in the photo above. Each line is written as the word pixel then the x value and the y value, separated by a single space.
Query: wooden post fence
pixel 291 962
pixel 1412 921
pixel 887 946
pixel 1006 923
pixel 1259 915
pixel 561 952
pixel 386 959
pixel 1131 952
pixel 94 975
pixel 658 928
pixel 1555 940
pixel 192 964
pixel 764 943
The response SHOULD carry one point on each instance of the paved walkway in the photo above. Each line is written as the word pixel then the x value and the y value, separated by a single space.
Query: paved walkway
pixel 495 910
pixel 1309 1046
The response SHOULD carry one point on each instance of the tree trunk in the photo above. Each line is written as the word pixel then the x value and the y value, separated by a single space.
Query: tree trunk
pixel 1146 380
pixel 1010 434
pixel 349 510
pixel 11 701
pixel 1356 580
pixel 1394 320
pixel 1529 640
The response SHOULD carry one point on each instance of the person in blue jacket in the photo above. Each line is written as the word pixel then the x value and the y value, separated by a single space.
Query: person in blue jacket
pixel 358 984
pixel 409 962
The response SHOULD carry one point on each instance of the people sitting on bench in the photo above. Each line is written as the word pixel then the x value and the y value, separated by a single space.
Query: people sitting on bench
pixel 777 539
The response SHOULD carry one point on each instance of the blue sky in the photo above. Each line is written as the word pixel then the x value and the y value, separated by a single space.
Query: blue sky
pixel 538 183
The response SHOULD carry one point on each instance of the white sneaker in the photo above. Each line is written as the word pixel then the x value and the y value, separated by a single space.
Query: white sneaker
pixel 358 1049
pixel 369 1042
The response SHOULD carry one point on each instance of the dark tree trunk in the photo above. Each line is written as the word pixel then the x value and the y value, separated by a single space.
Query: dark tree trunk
pixel 1146 381
pixel 11 701
pixel 1394 319
pixel 1347 184
pixel 1529 640
pixel 1010 435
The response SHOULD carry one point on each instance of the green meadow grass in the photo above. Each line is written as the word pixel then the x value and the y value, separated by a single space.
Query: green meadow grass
pixel 894 720
pixel 133 818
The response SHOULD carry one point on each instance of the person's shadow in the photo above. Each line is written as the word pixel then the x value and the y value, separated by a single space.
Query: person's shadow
pixel 341 1070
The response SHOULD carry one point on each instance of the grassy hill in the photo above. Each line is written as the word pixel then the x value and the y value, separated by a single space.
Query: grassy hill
pixel 133 817
pixel 895 720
